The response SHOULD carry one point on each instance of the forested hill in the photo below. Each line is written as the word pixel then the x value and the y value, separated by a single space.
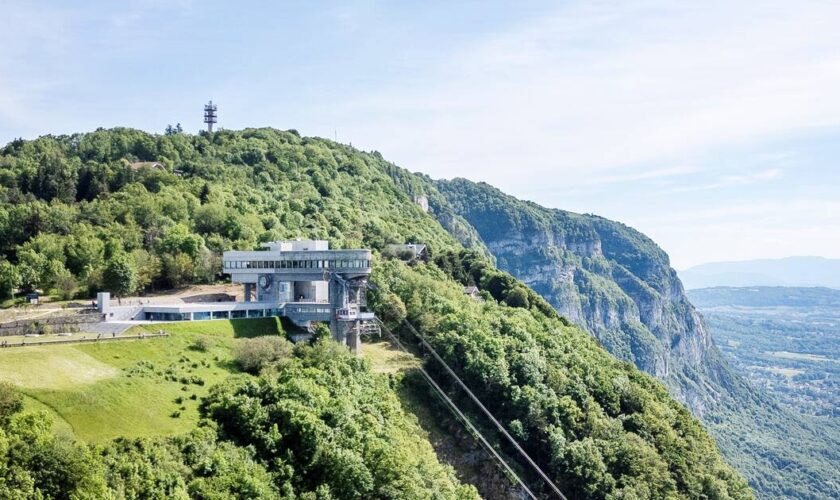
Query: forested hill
pixel 618 284
pixel 90 211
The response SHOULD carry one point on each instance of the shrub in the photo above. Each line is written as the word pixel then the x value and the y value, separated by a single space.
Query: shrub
pixel 392 310
pixel 10 402
pixel 252 355
pixel 201 344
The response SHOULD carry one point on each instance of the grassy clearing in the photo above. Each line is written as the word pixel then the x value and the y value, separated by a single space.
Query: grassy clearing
pixel 385 358
pixel 130 388
pixel 786 372
pixel 52 367
pixel 798 356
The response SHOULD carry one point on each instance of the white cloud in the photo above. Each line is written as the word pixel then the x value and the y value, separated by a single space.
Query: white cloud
pixel 729 181
pixel 602 86
pixel 740 231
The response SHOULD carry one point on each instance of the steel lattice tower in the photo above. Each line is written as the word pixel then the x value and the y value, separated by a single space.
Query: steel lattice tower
pixel 210 116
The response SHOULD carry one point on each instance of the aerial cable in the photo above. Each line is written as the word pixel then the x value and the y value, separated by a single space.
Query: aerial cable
pixel 452 406
pixel 484 409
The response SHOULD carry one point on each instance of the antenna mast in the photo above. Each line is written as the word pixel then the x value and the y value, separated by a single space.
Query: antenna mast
pixel 210 115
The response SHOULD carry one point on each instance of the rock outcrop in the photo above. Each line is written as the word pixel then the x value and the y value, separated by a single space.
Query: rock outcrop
pixel 604 276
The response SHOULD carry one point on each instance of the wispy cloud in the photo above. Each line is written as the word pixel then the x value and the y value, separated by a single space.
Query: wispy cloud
pixel 738 230
pixel 600 86
pixel 729 181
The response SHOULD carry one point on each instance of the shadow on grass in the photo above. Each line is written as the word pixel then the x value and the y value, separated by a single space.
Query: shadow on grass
pixel 229 365
pixel 256 327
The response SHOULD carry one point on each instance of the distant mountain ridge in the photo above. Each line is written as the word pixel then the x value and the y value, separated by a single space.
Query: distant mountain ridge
pixel 789 271
pixel 765 296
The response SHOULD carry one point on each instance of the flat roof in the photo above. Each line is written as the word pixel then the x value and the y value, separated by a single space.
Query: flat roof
pixel 298 254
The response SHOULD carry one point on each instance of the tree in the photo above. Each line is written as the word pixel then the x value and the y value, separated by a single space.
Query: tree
pixel 179 269
pixel 65 284
pixel 211 218
pixel 252 355
pixel 518 297
pixel 204 195
pixel 148 268
pixel 207 266
pixel 120 276
pixel 9 279
pixel 392 310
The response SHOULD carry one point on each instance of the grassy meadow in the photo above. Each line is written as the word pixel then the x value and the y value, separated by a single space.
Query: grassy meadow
pixel 130 388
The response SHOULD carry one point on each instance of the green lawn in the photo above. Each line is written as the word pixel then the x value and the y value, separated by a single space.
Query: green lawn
pixel 386 358
pixel 129 388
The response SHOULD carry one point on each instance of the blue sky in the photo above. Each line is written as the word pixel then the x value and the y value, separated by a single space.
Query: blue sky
pixel 712 128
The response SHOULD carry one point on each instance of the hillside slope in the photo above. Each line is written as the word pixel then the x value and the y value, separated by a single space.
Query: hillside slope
pixel 618 284
pixel 81 212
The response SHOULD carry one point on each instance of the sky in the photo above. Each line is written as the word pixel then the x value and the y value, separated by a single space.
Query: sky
pixel 710 126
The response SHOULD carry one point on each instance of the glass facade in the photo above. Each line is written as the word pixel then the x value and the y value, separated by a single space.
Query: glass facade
pixel 298 264
pixel 204 315
pixel 159 316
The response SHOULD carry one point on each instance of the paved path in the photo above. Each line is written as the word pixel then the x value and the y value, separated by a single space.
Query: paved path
pixel 109 327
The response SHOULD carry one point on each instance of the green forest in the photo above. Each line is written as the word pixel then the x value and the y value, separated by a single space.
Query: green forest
pixel 315 422
pixel 316 425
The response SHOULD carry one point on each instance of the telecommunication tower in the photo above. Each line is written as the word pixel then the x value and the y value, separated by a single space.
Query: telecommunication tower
pixel 210 115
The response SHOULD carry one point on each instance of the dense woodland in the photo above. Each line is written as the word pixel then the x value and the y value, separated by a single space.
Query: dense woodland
pixel 76 217
pixel 603 428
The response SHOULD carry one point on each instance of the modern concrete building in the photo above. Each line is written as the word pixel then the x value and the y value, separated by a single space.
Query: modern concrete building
pixel 306 281
pixel 302 280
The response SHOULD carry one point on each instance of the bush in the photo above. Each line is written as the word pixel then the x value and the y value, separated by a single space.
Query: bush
pixel 392 310
pixel 10 402
pixel 252 355
pixel 201 344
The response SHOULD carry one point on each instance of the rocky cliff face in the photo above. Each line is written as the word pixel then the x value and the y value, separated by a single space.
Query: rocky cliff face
pixel 605 276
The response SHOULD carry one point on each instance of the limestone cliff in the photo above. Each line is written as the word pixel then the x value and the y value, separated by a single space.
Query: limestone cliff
pixel 605 276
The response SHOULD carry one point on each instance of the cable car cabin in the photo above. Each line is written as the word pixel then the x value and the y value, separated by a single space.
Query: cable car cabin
pixel 346 314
